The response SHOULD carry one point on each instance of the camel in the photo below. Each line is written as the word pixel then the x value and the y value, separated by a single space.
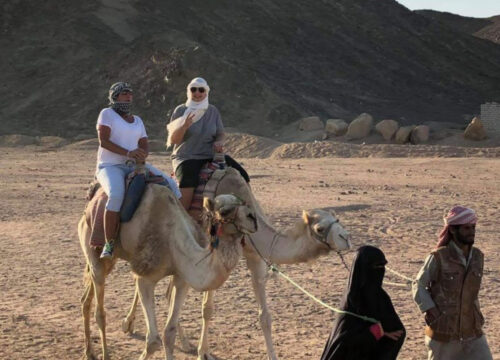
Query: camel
pixel 317 233
pixel 161 240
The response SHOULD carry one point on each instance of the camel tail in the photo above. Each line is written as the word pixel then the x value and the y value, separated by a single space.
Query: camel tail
pixel 170 289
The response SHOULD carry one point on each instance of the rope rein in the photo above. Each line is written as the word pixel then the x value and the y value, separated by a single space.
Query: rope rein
pixel 275 269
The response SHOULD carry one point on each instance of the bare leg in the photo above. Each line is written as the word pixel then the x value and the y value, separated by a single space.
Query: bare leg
pixel 146 289
pixel 187 197
pixel 128 322
pixel 258 269
pixel 86 301
pixel 179 292
pixel 111 222
pixel 207 315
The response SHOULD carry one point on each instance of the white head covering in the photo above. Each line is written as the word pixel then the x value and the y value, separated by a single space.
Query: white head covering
pixel 197 107
pixel 193 106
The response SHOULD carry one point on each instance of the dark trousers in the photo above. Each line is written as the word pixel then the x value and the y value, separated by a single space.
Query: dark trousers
pixel 187 173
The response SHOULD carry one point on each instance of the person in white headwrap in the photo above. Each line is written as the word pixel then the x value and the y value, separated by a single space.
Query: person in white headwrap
pixel 446 290
pixel 196 131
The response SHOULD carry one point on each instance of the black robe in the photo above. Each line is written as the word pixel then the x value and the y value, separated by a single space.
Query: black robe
pixel 351 338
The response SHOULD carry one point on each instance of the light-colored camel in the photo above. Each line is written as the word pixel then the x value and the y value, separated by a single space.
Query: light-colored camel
pixel 161 240
pixel 318 233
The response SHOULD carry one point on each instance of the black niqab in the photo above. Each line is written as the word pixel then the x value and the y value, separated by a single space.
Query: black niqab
pixel 351 337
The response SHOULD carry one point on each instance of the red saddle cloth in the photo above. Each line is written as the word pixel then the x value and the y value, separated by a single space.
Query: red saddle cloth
pixel 94 214
pixel 205 174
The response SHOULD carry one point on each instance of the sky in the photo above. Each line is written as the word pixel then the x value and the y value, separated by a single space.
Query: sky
pixel 469 8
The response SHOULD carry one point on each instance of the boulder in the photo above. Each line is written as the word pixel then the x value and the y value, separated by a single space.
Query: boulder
pixel 52 141
pixel 403 134
pixel 17 140
pixel 310 123
pixel 336 127
pixel 475 130
pixel 360 127
pixel 387 128
pixel 420 134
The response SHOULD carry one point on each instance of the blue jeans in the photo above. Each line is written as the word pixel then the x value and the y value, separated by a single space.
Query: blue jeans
pixel 112 180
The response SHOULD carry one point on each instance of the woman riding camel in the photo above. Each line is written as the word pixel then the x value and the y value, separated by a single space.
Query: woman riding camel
pixel 122 137
pixel 197 132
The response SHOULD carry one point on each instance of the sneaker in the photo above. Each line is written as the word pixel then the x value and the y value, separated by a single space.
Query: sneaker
pixel 107 251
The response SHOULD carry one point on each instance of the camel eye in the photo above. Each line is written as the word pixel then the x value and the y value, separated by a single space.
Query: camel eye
pixel 320 229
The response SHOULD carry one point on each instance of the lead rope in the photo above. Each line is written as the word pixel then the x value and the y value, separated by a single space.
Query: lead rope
pixel 275 269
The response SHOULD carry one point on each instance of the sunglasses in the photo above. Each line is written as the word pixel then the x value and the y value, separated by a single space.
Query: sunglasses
pixel 200 89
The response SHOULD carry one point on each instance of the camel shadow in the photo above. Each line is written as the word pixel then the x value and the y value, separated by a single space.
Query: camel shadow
pixel 260 176
pixel 353 207
pixel 192 348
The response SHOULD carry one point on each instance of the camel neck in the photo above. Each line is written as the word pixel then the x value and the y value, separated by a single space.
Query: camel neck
pixel 289 247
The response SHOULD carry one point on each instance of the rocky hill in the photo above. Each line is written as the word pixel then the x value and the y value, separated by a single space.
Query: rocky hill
pixel 486 28
pixel 268 62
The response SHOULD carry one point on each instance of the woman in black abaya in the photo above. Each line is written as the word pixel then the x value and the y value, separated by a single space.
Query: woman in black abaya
pixel 353 338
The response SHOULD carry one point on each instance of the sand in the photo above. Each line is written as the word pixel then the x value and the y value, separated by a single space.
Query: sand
pixel 394 203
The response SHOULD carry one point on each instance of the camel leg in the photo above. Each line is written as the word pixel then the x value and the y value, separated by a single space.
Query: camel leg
pixel 86 301
pixel 186 346
pixel 179 293
pixel 258 269
pixel 98 280
pixel 207 315
pixel 128 322
pixel 146 288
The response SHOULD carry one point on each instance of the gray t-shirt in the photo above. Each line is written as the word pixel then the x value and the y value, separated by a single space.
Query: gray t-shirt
pixel 198 142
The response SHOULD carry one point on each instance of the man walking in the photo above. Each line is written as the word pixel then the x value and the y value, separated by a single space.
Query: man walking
pixel 446 290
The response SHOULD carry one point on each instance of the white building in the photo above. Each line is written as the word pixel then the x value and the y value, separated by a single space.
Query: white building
pixel 490 117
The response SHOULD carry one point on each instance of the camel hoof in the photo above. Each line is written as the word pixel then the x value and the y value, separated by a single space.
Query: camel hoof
pixel 154 346
pixel 206 357
pixel 186 346
pixel 88 356
pixel 128 326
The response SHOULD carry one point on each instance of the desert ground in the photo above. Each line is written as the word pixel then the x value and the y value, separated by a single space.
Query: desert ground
pixel 395 203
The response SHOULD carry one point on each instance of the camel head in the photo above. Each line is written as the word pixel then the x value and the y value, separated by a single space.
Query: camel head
pixel 325 227
pixel 232 213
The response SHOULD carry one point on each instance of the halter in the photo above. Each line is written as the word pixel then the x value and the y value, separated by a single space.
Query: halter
pixel 322 239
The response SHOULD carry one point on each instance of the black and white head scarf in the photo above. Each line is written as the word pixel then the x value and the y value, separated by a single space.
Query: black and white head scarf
pixel 122 108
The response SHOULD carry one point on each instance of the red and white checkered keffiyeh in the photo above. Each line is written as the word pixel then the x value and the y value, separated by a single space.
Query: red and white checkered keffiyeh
pixel 458 215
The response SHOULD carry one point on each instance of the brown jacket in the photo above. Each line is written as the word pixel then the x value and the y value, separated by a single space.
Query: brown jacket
pixel 455 292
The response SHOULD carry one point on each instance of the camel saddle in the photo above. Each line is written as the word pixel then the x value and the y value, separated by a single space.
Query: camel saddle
pixel 210 175
pixel 96 205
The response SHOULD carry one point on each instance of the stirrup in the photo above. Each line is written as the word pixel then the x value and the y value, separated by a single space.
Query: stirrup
pixel 107 251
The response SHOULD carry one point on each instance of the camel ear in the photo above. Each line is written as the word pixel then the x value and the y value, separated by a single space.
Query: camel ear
pixel 208 204
pixel 306 217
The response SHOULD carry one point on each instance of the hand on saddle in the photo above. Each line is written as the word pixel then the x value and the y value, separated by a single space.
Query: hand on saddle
pixel 218 147
pixel 431 315
pixel 138 154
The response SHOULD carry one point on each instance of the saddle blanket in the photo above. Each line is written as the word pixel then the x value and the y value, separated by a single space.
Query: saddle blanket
pixel 94 211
